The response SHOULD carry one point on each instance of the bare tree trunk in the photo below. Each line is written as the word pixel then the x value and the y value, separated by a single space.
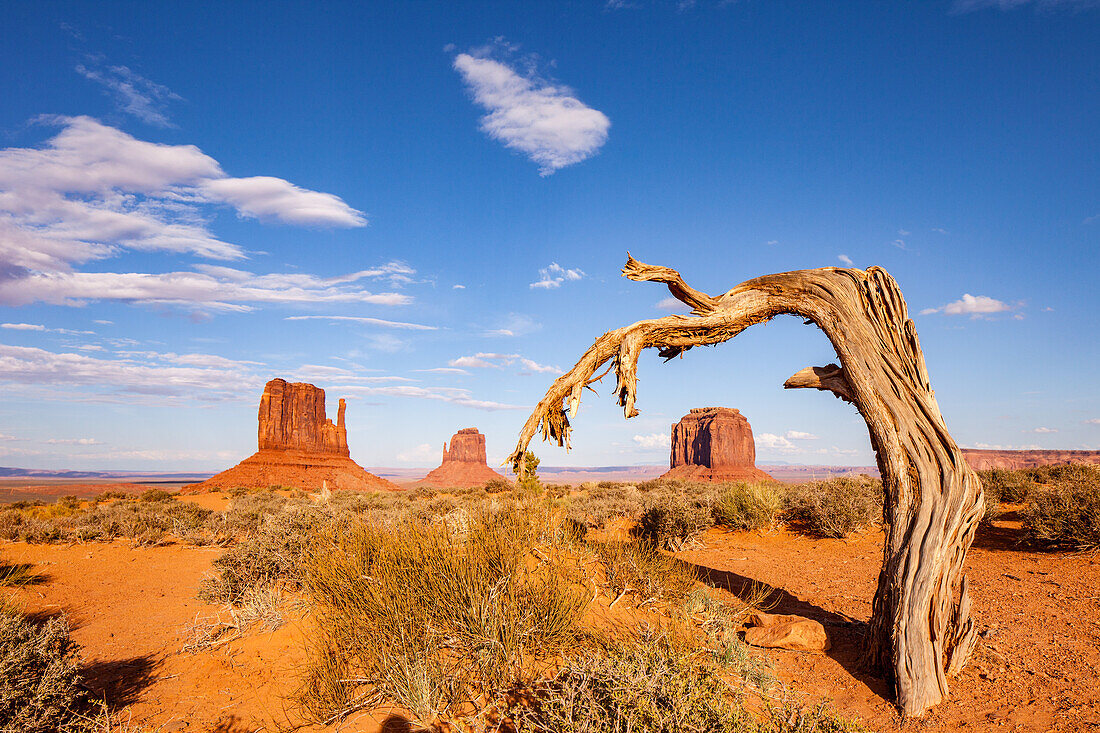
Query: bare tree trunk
pixel 919 633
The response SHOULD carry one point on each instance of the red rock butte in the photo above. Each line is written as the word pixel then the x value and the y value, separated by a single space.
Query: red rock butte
pixel 981 460
pixel 714 444
pixel 464 462
pixel 298 446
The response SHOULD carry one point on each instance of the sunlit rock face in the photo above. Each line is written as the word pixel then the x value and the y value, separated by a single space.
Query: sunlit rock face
pixel 464 462
pixel 714 444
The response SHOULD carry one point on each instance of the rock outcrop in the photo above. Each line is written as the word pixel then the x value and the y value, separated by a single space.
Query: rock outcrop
pixel 298 447
pixel 777 631
pixel 981 460
pixel 464 462
pixel 714 444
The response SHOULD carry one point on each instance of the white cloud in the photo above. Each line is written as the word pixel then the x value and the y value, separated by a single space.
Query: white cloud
pixel 975 306
pixel 997 446
pixel 968 6
pixel 483 360
pixel 653 440
pixel 73 441
pixel 453 395
pixel 92 192
pixel 903 233
pixel 1093 421
pixel 542 120
pixel 1042 430
pixel 775 443
pixel 939 230
pixel 516 324
pixel 4 436
pixel 672 305
pixel 899 243
pixel 442 370
pixel 420 454
pixel 846 260
pixel 132 93
pixel 773 242
pixel 554 275
pixel 137 374
pixel 799 435
pixel 458 287
pixel 368 321
pixel 23 326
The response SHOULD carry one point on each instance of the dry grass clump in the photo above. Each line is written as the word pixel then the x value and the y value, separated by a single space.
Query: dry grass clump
pixel 837 507
pixel 640 568
pixel 673 523
pixel 1063 507
pixel 432 620
pixel 652 685
pixel 744 506
pixel 41 689
pixel 1009 487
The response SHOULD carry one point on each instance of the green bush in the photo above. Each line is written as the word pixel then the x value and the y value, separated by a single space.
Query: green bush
pixel 742 506
pixel 673 523
pixel 41 690
pixel 837 507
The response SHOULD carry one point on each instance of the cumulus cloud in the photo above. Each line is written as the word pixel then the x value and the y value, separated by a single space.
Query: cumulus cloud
pixel 367 321
pixel 483 360
pixel 846 260
pixel 775 443
pixel 974 306
pixel 544 121
pixel 799 435
pixel 92 192
pixel 554 275
pixel 1042 430
pixel 131 92
pixel 653 440
pixel 23 326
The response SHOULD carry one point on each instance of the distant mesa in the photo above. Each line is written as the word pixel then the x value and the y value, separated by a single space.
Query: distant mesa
pixel 298 446
pixel 464 462
pixel 714 444
pixel 982 460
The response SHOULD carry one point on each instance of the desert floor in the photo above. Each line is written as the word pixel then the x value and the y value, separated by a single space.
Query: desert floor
pixel 1036 666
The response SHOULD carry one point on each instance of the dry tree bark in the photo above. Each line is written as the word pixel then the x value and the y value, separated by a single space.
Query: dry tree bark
pixel 919 634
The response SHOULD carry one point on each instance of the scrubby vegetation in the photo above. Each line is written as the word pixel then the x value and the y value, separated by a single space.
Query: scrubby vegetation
pixel 837 507
pixel 1063 507
pixel 41 688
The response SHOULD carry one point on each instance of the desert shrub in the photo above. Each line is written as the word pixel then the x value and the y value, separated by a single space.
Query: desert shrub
pixel 426 619
pixel 1063 516
pixel 837 507
pixel 1010 487
pixel 648 686
pixel 747 506
pixel 608 500
pixel 155 495
pixel 527 477
pixel 639 567
pixel 40 683
pixel 497 485
pixel 673 523
pixel 273 554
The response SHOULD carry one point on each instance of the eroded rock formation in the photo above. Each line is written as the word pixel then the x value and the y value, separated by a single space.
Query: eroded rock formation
pixel 299 447
pixel 981 460
pixel 714 444
pixel 464 462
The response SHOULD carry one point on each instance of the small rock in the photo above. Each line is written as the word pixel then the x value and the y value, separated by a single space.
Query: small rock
pixel 775 631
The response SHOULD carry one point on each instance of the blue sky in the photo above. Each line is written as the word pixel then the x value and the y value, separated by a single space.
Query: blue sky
pixel 424 207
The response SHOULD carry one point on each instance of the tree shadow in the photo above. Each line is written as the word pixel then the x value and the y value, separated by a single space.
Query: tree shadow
pixel 397 724
pixel 846 634
pixel 231 724
pixel 17 575
pixel 119 682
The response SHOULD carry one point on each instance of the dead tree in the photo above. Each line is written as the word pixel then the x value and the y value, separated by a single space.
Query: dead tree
pixel 920 630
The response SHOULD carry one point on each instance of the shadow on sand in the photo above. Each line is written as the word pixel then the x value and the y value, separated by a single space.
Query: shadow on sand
pixel 120 682
pixel 845 633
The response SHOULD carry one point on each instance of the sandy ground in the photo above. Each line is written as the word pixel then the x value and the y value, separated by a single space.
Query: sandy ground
pixel 1036 667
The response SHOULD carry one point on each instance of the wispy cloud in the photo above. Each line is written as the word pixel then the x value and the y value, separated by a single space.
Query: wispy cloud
pixel 1001 446
pixel 515 324
pixel 974 306
pixel 545 121
pixel 443 370
pixel 1093 421
pixel 554 275
pixel 92 192
pixel 672 305
pixel 969 6
pixel 1042 430
pixel 799 435
pixel 483 360
pixel 453 395
pixel 367 321
pixel 73 441
pixel 131 92
pixel 23 326
pixel 845 259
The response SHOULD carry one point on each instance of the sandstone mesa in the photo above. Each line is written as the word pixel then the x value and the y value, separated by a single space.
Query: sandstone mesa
pixel 298 446
pixel 464 463
pixel 713 444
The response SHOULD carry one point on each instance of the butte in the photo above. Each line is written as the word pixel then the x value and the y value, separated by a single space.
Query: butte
pixel 463 464
pixel 713 444
pixel 298 446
